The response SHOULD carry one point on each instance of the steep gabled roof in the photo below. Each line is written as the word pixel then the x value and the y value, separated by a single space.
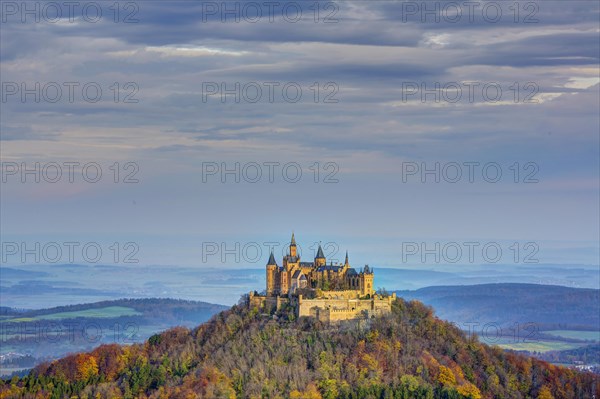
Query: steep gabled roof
pixel 320 254
pixel 298 273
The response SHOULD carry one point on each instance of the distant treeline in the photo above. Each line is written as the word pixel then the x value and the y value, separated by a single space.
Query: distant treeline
pixel 150 305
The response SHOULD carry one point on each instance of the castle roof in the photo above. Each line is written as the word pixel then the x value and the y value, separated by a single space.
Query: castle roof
pixel 335 268
pixel 272 260
pixel 298 273
pixel 320 254
pixel 293 240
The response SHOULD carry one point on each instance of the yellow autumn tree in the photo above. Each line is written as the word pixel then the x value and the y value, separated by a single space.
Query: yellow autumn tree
pixel 446 376
pixel 369 362
pixel 311 392
pixel 469 390
pixel 545 393
pixel 329 388
pixel 86 366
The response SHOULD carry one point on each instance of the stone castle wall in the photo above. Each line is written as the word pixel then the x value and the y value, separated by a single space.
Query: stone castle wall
pixel 267 304
pixel 326 309
pixel 345 294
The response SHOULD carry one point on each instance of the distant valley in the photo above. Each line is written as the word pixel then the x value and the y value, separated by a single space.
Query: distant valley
pixel 43 286
pixel 30 337
pixel 555 323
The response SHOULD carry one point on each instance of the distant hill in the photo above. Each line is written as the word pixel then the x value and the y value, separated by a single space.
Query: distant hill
pixel 584 354
pixel 166 309
pixel 548 306
pixel 241 353
pixel 31 336
pixel 7 311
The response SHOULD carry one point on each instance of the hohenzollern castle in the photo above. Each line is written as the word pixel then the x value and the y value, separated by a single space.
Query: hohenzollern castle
pixel 328 292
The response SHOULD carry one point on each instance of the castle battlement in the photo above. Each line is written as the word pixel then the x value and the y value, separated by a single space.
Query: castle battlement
pixel 336 292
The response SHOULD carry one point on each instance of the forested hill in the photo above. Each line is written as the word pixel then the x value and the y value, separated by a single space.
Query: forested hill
pixel 165 308
pixel 549 306
pixel 240 353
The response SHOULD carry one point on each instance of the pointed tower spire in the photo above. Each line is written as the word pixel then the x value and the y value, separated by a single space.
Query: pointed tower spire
pixel 346 261
pixel 320 258
pixel 320 254
pixel 293 250
pixel 271 261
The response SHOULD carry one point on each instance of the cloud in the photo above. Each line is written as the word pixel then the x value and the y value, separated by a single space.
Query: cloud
pixel 367 55
pixel 25 133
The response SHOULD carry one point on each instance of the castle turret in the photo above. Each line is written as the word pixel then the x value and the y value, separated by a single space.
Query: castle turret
pixel 293 250
pixel 366 282
pixel 320 258
pixel 271 274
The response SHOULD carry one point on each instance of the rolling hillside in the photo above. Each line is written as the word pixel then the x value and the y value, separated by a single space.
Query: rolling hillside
pixel 240 353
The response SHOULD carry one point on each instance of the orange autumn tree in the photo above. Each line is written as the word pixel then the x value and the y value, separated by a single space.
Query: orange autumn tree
pixel 86 366
pixel 110 360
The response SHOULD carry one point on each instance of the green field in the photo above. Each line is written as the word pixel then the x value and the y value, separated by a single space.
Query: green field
pixel 537 345
pixel 571 334
pixel 105 313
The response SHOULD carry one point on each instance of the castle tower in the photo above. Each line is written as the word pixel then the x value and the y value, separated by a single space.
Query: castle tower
pixel 366 282
pixel 320 258
pixel 271 275
pixel 293 250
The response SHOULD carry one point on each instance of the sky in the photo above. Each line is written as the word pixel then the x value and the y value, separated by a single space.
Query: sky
pixel 190 133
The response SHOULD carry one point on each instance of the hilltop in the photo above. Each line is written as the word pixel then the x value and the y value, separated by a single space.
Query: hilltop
pixel 241 353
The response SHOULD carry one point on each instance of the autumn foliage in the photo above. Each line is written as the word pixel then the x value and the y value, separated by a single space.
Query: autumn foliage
pixel 240 353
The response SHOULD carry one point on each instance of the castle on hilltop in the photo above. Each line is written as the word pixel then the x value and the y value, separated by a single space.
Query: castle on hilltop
pixel 329 293
pixel 294 275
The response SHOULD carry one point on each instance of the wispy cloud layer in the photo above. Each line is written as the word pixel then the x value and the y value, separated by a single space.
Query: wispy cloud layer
pixel 381 84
